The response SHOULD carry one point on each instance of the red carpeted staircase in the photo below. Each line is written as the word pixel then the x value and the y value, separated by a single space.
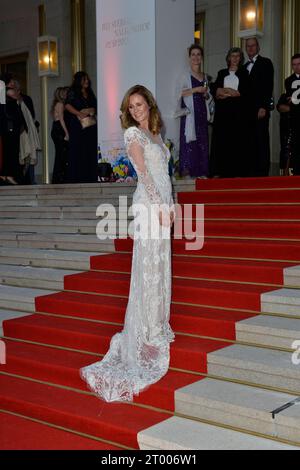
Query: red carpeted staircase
pixel 251 234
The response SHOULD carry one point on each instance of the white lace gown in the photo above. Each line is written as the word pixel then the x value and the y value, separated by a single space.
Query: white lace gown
pixel 139 356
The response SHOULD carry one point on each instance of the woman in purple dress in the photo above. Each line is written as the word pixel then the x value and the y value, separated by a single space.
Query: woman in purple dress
pixel 194 142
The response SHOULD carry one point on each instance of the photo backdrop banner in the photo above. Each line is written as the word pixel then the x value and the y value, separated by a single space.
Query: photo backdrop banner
pixel 125 57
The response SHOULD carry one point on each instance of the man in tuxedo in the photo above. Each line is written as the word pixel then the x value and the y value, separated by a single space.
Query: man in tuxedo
pixel 292 86
pixel 260 95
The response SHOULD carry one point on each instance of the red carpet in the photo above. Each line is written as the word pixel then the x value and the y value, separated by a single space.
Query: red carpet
pixel 213 289
pixel 41 437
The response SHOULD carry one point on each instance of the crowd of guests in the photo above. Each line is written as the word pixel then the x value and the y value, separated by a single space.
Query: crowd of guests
pixel 243 101
pixel 238 106
pixel 74 133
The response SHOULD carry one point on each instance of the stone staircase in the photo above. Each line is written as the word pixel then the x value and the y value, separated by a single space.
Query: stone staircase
pixel 247 400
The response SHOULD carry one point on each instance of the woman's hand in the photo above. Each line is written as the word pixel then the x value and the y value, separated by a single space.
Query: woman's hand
pixel 81 115
pixel 166 219
pixel 85 112
pixel 201 89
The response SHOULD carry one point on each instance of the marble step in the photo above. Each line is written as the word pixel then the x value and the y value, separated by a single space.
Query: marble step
pixel 56 213
pixel 46 258
pixel 292 277
pixel 282 301
pixel 243 407
pixel 6 314
pixel 184 434
pixel 69 242
pixel 260 366
pixel 74 200
pixel 20 298
pixel 99 188
pixel 87 227
pixel 268 330
pixel 27 276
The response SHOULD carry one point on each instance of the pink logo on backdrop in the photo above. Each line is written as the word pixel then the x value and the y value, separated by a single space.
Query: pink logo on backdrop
pixel 2 353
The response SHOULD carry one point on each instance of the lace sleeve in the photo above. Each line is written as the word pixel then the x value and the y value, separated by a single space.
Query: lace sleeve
pixel 135 145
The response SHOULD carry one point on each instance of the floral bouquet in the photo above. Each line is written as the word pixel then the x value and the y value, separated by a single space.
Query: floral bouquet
pixel 123 170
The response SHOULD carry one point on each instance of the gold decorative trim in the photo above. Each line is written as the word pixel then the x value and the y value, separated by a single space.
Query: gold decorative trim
pixel 291 33
pixel 235 40
pixel 44 103
pixel 78 35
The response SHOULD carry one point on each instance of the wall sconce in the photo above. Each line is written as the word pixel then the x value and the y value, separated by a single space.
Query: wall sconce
pixel 251 14
pixel 48 56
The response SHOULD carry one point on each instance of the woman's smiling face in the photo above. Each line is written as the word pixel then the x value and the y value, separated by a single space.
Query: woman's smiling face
pixel 139 108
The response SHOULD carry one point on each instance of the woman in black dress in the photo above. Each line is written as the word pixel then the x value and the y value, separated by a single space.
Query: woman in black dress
pixel 228 160
pixel 81 109
pixel 60 136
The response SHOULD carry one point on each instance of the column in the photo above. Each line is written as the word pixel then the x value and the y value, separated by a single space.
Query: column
pixel 291 33
pixel 235 40
pixel 44 103
pixel 78 35
pixel 140 43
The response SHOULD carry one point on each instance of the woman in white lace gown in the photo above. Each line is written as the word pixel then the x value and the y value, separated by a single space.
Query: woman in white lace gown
pixel 139 356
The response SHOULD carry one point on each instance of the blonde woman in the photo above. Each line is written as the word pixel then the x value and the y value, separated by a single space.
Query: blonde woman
pixel 60 136
pixel 139 356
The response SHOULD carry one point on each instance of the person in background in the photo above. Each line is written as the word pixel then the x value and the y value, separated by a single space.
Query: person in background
pixel 230 92
pixel 60 136
pixel 192 92
pixel 261 85
pixel 292 86
pixel 30 142
pixel 13 125
pixel 283 107
pixel 81 110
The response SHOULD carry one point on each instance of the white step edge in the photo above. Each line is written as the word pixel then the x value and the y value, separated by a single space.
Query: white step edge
pixel 292 276
pixel 283 301
pixel 240 406
pixel 255 365
pixel 18 298
pixel 183 434
pixel 28 276
pixel 268 331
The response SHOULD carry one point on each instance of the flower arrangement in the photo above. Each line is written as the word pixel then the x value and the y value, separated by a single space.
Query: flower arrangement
pixel 123 170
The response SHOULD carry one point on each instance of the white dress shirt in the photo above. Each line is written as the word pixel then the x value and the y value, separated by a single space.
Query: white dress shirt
pixel 251 65
pixel 232 81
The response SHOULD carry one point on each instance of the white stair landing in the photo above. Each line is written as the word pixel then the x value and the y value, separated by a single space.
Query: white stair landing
pixel 242 407
pixel 22 299
pixel 270 331
pixel 184 434
pixel 261 366
pixel 282 301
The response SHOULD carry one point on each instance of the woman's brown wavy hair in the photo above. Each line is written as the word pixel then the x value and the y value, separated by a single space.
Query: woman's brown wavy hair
pixel 155 119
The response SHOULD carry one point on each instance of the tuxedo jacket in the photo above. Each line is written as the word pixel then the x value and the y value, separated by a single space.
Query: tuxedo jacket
pixel 261 83
pixel 295 109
